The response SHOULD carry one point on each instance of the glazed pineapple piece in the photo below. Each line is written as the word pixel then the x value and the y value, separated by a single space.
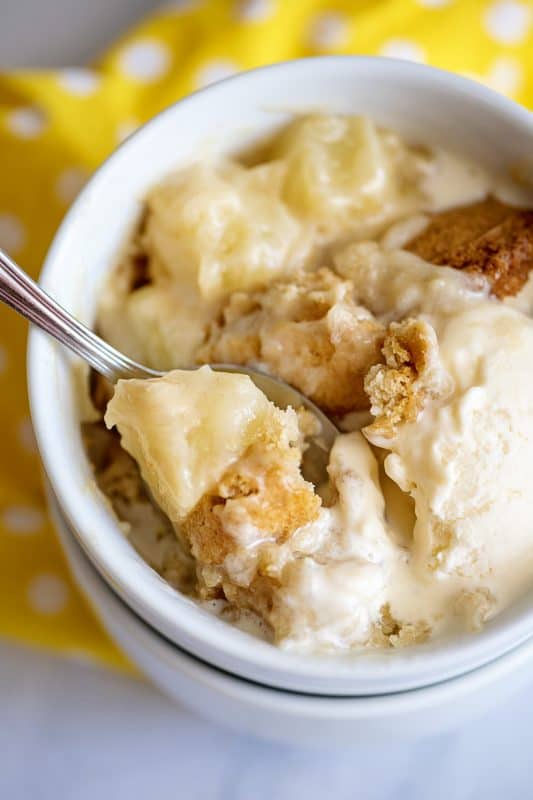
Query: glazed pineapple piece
pixel 208 230
pixel 223 227
pixel 160 324
pixel 342 170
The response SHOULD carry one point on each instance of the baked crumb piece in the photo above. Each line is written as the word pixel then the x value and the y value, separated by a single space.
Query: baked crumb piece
pixel 487 238
pixel 412 373
pixel 475 607
pixel 309 332
pixel 389 632
pixel 235 529
pixel 117 474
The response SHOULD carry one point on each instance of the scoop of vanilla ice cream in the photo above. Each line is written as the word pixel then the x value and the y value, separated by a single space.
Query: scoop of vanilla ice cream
pixel 465 457
pixel 466 460
pixel 332 596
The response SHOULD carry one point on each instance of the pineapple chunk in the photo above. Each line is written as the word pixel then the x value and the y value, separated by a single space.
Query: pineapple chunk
pixel 223 228
pixel 341 169
pixel 187 428
pixel 159 325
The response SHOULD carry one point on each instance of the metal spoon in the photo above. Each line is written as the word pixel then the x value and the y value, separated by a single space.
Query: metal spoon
pixel 20 292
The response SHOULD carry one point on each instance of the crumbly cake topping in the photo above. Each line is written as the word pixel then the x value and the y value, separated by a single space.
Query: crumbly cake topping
pixel 258 504
pixel 309 332
pixel 410 376
pixel 488 238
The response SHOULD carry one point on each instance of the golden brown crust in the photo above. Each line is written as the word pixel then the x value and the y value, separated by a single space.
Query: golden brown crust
pixel 274 499
pixel 315 338
pixel 399 388
pixel 203 529
pixel 487 238
pixel 341 352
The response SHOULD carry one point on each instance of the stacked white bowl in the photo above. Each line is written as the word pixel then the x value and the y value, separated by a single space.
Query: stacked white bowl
pixel 245 680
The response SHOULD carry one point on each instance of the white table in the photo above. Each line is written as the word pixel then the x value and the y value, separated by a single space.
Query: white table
pixel 69 731
pixel 73 732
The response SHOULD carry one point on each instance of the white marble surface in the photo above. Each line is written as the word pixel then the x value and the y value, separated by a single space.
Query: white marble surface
pixel 72 732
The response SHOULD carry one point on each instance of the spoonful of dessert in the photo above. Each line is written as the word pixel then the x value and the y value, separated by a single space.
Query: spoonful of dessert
pixel 21 293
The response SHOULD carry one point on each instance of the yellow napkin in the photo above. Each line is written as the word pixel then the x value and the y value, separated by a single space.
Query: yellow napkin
pixel 57 126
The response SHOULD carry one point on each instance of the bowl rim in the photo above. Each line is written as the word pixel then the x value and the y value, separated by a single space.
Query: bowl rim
pixel 154 600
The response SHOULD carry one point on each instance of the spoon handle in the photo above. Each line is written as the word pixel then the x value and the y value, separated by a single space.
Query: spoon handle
pixel 22 294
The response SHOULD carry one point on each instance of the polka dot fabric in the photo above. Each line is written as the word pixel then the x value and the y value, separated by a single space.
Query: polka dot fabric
pixel 56 127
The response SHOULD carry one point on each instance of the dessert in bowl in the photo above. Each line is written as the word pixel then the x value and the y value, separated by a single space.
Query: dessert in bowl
pixel 306 263
pixel 290 717
pixel 318 255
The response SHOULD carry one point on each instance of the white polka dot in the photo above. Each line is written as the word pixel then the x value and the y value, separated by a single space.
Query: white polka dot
pixel 145 60
pixel 433 3
pixel 26 123
pixel 26 436
pixel 48 594
pixel 216 71
pixel 12 233
pixel 329 30
pixel 70 183
pixel 505 76
pixel 81 82
pixel 22 519
pixel 254 10
pixel 3 359
pixel 126 128
pixel 508 21
pixel 403 49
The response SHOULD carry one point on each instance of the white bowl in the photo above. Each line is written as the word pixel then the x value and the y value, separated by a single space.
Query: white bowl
pixel 422 103
pixel 289 716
